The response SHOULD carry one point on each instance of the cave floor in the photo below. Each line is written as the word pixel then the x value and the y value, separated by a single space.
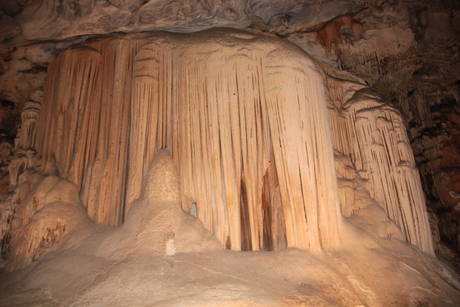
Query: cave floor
pixel 225 278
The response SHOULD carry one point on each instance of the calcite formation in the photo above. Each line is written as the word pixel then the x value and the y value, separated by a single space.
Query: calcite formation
pixel 382 158
pixel 41 210
pixel 404 49
pixel 249 124
pixel 174 206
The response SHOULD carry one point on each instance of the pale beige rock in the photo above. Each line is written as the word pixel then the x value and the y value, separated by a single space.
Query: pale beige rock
pixel 160 248
pixel 360 277
pixel 224 127
pixel 253 146
pixel 372 135
pixel 165 229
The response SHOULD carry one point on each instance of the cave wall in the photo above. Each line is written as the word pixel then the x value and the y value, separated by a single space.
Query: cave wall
pixel 253 129
pixel 407 50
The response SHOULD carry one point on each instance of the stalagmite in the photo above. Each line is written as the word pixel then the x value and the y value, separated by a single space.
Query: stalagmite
pixel 247 122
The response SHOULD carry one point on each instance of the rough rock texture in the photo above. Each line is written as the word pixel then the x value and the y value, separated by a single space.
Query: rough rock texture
pixel 44 20
pixel 427 90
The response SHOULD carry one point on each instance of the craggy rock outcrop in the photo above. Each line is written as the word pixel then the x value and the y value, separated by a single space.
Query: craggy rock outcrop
pixel 44 20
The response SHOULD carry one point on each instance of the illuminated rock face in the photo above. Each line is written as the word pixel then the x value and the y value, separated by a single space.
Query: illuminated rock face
pixel 382 161
pixel 248 125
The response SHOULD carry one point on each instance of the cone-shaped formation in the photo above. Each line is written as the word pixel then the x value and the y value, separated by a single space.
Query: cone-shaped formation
pixel 156 224
pixel 244 117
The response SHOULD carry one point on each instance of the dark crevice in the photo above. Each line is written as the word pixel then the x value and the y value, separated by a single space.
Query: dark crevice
pixel 267 222
pixel 246 244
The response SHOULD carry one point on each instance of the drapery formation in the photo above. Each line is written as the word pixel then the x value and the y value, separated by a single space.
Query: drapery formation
pixel 380 151
pixel 372 134
pixel 244 118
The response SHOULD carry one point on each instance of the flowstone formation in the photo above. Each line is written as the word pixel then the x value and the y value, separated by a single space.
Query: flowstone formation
pixel 239 114
pixel 266 157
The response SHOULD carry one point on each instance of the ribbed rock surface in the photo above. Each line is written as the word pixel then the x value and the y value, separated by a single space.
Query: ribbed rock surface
pixel 380 152
pixel 247 123
pixel 231 112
